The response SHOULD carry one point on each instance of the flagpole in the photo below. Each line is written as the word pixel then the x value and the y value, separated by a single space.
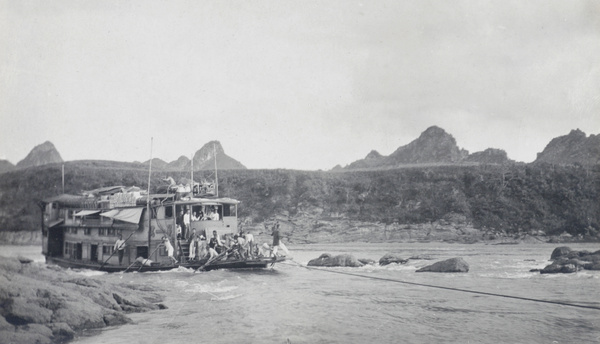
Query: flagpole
pixel 216 173
pixel 148 201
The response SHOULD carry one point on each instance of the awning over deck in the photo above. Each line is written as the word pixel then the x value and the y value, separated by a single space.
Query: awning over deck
pixel 131 215
pixel 55 223
pixel 87 212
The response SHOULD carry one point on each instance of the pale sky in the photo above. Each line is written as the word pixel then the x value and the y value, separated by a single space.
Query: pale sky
pixel 294 84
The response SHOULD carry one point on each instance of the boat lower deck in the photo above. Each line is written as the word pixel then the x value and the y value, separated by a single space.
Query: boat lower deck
pixel 204 264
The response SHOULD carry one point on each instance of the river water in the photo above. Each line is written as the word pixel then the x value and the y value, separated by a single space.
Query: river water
pixel 292 304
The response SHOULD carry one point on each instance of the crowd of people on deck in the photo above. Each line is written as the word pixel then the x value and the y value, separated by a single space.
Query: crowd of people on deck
pixel 239 246
pixel 184 219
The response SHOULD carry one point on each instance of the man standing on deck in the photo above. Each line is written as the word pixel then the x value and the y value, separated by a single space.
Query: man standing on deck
pixel 186 224
pixel 179 222
pixel 120 248
pixel 275 235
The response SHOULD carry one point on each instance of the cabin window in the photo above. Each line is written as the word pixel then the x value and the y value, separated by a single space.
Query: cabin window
pixel 69 248
pixel 168 212
pixel 87 231
pixel 107 249
pixel 72 230
pixel 54 205
pixel 228 210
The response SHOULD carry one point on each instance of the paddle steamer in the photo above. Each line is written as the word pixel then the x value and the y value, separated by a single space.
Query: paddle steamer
pixel 80 231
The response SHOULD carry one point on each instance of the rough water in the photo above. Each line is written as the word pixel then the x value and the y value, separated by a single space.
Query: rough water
pixel 292 304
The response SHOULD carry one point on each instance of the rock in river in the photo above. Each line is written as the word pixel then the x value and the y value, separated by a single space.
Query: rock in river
pixel 566 260
pixel 43 304
pixel 450 265
pixel 390 258
pixel 328 260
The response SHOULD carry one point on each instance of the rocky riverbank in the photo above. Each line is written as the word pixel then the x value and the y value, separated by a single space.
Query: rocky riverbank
pixel 43 304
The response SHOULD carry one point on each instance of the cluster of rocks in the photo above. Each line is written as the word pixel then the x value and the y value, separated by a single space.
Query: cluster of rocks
pixel 566 260
pixel 347 260
pixel 44 304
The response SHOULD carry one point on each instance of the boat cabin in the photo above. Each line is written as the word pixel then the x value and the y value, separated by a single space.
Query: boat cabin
pixel 81 230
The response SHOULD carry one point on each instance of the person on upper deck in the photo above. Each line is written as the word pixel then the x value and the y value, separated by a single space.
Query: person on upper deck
pixel 215 214
pixel 198 216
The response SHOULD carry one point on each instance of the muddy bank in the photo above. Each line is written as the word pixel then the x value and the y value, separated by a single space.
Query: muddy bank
pixel 44 304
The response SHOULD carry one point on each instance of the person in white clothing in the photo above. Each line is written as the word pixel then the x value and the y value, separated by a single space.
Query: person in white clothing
pixel 170 249
pixel 193 244
pixel 215 215
pixel 120 248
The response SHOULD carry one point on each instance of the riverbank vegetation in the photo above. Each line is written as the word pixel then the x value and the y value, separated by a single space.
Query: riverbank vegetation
pixel 495 200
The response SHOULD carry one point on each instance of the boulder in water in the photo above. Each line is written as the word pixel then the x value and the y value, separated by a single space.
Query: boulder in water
pixel 390 258
pixel 559 252
pixel 567 260
pixel 367 261
pixel 328 260
pixel 557 268
pixel 450 265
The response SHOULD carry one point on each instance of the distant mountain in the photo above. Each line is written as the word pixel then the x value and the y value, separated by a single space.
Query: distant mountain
pixel 204 159
pixel 6 166
pixel 574 148
pixel 157 163
pixel 490 156
pixel 182 163
pixel 373 159
pixel 42 154
pixel 433 146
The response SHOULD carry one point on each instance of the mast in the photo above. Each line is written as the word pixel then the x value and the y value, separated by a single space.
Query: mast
pixel 192 172
pixel 148 201
pixel 216 175
pixel 63 178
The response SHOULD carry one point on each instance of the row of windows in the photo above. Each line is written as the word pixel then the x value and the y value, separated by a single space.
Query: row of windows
pixel 101 231
pixel 71 249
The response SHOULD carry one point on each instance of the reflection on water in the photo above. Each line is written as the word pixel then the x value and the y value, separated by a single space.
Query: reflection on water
pixel 307 306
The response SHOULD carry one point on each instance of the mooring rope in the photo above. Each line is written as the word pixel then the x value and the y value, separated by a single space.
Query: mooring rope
pixel 450 288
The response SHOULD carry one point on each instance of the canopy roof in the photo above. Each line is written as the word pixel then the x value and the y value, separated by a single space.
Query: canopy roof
pixel 131 215
pixel 209 201
pixel 55 222
pixel 87 212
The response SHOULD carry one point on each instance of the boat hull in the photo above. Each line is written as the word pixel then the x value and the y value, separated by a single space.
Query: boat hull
pixel 258 263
